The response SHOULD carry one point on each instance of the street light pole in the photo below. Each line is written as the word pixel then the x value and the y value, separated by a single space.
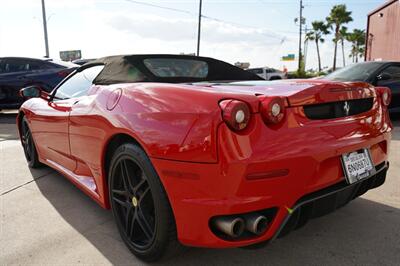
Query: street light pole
pixel 46 41
pixel 300 29
pixel 199 29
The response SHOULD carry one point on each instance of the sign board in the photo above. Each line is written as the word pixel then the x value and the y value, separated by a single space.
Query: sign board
pixel 70 55
pixel 289 57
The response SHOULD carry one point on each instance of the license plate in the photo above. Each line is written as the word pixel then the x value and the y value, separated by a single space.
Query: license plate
pixel 357 165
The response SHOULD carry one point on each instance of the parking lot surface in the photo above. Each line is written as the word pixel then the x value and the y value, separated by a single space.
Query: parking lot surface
pixel 47 220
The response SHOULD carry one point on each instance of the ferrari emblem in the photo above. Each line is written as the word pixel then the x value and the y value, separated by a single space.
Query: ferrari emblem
pixel 346 108
pixel 134 202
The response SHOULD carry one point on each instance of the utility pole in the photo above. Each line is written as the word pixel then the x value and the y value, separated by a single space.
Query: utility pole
pixel 46 41
pixel 198 29
pixel 300 31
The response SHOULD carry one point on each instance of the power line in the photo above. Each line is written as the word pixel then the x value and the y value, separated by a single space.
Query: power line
pixel 271 35
pixel 160 7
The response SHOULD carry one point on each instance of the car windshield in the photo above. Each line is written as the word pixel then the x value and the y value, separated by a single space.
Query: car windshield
pixel 356 72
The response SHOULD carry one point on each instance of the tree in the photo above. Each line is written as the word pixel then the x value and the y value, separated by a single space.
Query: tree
pixel 319 29
pixel 357 38
pixel 342 37
pixel 337 17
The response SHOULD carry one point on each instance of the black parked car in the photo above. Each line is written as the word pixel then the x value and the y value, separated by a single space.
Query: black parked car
pixel 382 73
pixel 19 72
pixel 82 61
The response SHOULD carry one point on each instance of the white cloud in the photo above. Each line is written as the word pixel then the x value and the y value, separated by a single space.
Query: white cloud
pixel 98 32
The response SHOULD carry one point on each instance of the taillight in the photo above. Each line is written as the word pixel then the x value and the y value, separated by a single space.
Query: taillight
pixel 272 109
pixel 385 95
pixel 236 114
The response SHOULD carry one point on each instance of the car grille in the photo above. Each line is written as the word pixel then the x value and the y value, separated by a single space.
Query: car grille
pixel 338 109
pixel 329 199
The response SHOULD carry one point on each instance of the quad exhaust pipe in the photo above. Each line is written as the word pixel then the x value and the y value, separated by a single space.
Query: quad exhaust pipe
pixel 235 226
pixel 255 223
pixel 232 226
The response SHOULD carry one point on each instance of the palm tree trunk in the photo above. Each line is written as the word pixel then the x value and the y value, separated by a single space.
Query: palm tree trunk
pixel 356 54
pixel 344 60
pixel 335 51
pixel 319 56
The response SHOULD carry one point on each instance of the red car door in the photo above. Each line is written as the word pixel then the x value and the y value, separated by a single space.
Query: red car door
pixel 50 121
pixel 83 128
pixel 49 125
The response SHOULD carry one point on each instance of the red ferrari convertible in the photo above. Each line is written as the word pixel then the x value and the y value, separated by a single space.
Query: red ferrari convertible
pixel 194 151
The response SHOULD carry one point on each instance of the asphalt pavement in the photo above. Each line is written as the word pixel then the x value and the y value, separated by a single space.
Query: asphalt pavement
pixel 47 220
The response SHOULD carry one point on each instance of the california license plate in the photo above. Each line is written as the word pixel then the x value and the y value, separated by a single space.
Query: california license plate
pixel 357 165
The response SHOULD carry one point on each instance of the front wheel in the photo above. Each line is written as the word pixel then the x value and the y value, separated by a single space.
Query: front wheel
pixel 140 205
pixel 29 145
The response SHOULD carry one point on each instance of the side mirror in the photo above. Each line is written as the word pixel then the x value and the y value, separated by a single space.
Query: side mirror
pixel 384 76
pixel 30 92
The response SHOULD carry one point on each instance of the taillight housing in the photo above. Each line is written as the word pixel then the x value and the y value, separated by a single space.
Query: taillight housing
pixel 236 114
pixel 272 109
pixel 385 95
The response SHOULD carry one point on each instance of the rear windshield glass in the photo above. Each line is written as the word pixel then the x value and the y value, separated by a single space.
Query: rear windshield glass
pixel 171 67
pixel 355 72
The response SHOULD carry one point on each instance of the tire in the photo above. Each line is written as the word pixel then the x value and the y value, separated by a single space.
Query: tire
pixel 29 145
pixel 140 205
pixel 275 78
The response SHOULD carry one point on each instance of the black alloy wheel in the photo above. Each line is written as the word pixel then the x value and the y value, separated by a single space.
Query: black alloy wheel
pixel 29 145
pixel 134 203
pixel 140 206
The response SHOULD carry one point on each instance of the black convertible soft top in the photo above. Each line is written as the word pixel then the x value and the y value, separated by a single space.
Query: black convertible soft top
pixel 165 68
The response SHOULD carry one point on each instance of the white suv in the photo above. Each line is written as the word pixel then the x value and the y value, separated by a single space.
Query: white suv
pixel 268 73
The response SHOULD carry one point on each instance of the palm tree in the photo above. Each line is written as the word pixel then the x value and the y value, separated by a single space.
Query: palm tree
pixel 342 37
pixel 319 29
pixel 338 16
pixel 357 38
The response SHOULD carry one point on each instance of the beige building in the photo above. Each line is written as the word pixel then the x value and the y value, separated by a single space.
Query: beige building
pixel 383 32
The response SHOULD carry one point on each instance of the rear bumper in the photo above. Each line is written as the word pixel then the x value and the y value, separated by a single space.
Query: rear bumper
pixel 287 163
pixel 327 200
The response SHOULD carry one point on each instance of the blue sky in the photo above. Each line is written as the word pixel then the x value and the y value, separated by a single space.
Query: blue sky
pixel 250 31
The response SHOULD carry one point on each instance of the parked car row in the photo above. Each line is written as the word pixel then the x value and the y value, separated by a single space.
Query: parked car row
pixel 19 72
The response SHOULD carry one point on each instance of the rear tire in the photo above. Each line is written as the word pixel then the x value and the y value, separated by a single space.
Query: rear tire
pixel 29 145
pixel 275 78
pixel 140 205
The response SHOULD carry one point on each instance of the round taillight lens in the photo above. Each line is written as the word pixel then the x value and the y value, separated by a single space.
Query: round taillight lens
pixel 385 95
pixel 272 109
pixel 236 114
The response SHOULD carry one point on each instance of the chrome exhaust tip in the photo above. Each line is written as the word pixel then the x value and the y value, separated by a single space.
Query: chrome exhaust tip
pixel 255 223
pixel 232 226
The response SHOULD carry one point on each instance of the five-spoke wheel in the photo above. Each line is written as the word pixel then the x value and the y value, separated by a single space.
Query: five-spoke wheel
pixel 133 201
pixel 140 205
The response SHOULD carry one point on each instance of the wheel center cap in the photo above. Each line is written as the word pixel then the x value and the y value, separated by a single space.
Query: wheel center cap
pixel 134 201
